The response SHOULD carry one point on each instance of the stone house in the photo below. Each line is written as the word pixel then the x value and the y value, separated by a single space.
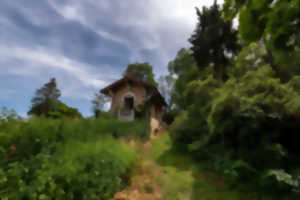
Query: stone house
pixel 130 98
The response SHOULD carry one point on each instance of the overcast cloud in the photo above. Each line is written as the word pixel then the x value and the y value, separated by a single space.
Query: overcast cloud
pixel 85 44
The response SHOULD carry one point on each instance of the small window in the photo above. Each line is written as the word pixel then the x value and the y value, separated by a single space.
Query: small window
pixel 129 102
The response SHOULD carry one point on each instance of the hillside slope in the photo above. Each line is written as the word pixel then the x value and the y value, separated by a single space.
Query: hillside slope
pixel 166 174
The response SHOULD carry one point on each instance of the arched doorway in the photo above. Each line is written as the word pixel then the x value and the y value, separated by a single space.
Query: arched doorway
pixel 126 112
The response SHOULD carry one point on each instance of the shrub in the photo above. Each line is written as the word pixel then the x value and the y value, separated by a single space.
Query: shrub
pixel 279 179
pixel 63 159
pixel 251 121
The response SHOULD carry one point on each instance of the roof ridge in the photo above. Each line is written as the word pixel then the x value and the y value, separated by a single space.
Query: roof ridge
pixel 125 78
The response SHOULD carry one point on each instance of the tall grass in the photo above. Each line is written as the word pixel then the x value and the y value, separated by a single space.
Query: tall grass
pixel 65 159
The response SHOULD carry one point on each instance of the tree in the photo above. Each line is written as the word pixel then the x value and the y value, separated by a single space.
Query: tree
pixel 273 23
pixel 46 103
pixel 45 100
pixel 62 110
pixel 214 41
pixel 184 70
pixel 99 104
pixel 141 72
pixel 8 114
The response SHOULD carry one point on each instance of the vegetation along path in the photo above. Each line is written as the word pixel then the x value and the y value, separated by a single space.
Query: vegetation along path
pixel 166 174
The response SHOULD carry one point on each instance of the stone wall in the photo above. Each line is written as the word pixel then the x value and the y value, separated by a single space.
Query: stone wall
pixel 138 93
pixel 156 122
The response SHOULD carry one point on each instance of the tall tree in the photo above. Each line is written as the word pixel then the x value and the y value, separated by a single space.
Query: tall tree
pixel 273 23
pixel 214 41
pixel 142 72
pixel 46 103
pixel 45 100
pixel 184 70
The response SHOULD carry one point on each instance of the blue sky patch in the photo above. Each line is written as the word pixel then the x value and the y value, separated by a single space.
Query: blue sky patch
pixel 85 44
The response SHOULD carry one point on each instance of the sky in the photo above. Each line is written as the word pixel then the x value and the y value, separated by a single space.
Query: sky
pixel 86 44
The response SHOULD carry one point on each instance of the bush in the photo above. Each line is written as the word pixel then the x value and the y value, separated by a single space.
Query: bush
pixel 63 159
pixel 279 180
pixel 190 126
pixel 252 121
pixel 234 171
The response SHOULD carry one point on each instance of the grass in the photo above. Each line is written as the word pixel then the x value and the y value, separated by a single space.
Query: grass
pixel 184 178
pixel 179 177
pixel 80 150
pixel 59 159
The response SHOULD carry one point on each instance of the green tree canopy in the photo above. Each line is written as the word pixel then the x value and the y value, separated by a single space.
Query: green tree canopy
pixel 142 72
pixel 8 114
pixel 273 23
pixel 45 99
pixel 214 41
pixel 62 110
pixel 46 103
pixel 184 69
pixel 248 125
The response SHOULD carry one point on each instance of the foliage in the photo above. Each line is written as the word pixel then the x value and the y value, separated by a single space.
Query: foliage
pixel 214 41
pixel 180 176
pixel 247 126
pixel 234 171
pixel 183 69
pixel 295 83
pixel 250 58
pixel 141 72
pixel 99 103
pixel 62 110
pixel 64 159
pixel 281 180
pixel 185 129
pixel 46 103
pixel 8 114
pixel 45 99
pixel 277 21
pixel 254 112
pixel 273 23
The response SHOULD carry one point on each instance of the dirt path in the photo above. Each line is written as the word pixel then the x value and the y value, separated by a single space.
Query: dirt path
pixel 166 174
pixel 162 174
pixel 143 185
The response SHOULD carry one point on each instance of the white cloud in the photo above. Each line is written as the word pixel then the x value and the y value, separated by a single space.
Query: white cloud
pixel 37 48
pixel 37 61
pixel 73 11
pixel 47 59
pixel 150 21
